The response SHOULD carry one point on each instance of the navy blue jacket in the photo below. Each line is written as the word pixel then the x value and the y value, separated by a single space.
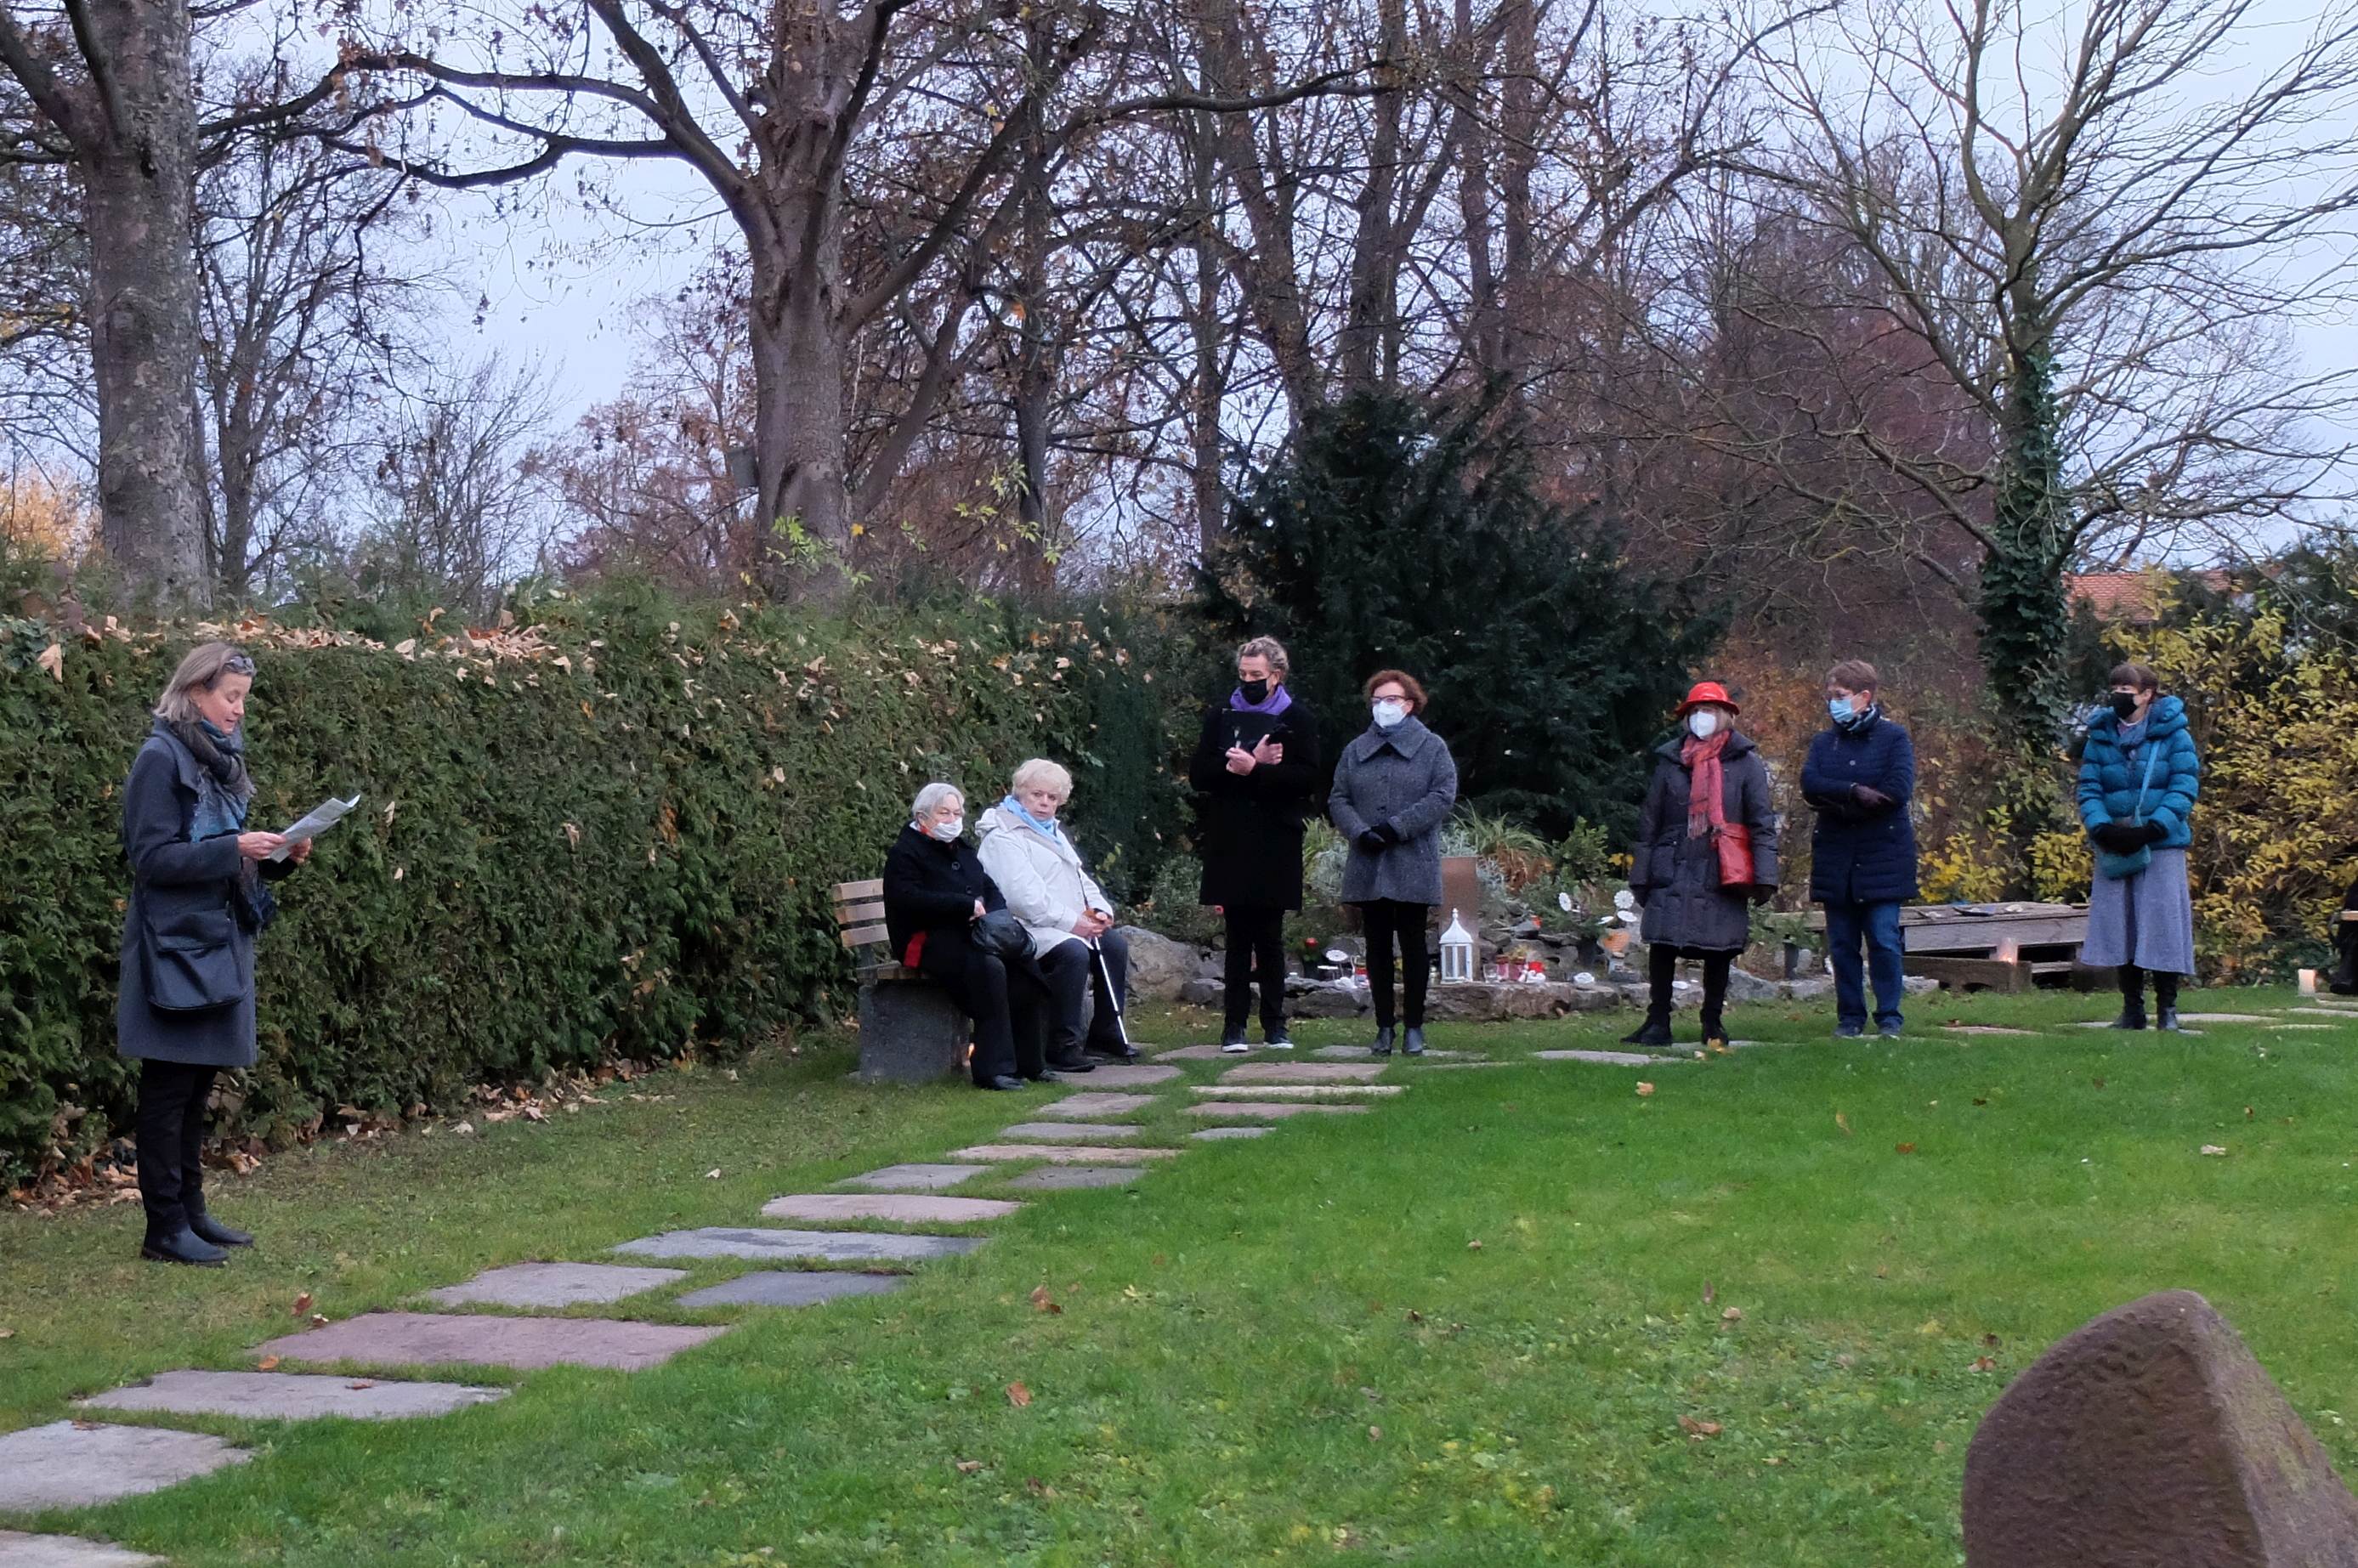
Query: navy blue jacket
pixel 1858 855
pixel 2109 777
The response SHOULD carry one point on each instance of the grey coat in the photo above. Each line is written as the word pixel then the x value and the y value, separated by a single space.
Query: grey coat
pixel 179 886
pixel 1406 778
pixel 1677 878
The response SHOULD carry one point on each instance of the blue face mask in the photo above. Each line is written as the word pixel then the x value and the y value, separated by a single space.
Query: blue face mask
pixel 1839 707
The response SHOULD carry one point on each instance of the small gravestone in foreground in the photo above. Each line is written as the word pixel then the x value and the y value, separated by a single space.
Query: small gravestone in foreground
pixel 2152 1436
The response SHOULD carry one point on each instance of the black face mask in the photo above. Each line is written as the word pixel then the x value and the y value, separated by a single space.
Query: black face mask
pixel 1254 690
pixel 2124 705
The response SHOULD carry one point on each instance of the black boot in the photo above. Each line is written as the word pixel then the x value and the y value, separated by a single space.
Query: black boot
pixel 182 1245
pixel 1383 1046
pixel 2132 998
pixel 1414 1044
pixel 1655 1030
pixel 207 1228
pixel 2165 1002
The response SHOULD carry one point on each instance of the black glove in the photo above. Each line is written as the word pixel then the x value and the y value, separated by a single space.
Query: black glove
pixel 2154 832
pixel 1762 892
pixel 1387 833
pixel 2120 837
pixel 1870 797
pixel 1371 840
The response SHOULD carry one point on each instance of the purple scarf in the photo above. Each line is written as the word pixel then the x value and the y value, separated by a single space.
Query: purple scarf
pixel 1278 700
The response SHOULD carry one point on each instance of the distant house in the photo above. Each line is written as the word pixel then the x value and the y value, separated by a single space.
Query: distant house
pixel 2134 599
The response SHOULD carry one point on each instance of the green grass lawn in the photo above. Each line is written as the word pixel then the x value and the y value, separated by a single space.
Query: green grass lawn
pixel 1460 1329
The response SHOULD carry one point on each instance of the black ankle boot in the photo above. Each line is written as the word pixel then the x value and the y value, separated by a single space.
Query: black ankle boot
pixel 207 1228
pixel 1383 1046
pixel 1414 1044
pixel 2165 1003
pixel 182 1245
pixel 1655 1030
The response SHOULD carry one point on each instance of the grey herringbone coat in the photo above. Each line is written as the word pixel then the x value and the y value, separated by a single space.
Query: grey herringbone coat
pixel 1406 778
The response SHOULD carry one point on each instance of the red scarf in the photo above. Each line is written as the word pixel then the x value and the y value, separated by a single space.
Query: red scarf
pixel 1705 811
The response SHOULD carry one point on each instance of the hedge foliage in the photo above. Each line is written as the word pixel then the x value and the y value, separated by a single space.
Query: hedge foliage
pixel 611 831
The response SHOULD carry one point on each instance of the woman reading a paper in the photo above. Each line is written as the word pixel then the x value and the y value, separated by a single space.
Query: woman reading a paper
pixel 186 1008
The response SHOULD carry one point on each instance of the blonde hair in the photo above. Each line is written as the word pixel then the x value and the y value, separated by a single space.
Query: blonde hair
pixel 202 665
pixel 1268 648
pixel 1042 772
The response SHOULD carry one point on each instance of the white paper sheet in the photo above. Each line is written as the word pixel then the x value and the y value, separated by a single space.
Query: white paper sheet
pixel 316 821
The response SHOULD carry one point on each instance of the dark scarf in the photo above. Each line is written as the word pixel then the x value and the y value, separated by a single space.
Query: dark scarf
pixel 1278 700
pixel 222 756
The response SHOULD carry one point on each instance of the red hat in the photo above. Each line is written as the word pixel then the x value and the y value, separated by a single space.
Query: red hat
pixel 1707 691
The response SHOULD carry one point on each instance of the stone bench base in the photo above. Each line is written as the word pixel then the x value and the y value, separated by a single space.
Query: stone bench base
pixel 910 1033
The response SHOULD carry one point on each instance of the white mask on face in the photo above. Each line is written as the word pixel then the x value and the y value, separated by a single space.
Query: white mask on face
pixel 1703 723
pixel 949 831
pixel 1389 714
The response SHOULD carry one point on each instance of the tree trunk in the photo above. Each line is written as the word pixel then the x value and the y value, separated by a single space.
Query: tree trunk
pixel 1518 156
pixel 796 340
pixel 1207 391
pixel 1370 349
pixel 1035 527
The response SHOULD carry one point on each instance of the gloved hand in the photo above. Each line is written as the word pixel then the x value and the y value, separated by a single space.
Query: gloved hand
pixel 2120 837
pixel 2154 832
pixel 1762 892
pixel 1372 841
pixel 1390 833
pixel 1870 797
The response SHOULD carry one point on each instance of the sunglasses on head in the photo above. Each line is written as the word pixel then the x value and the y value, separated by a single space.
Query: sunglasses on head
pixel 238 664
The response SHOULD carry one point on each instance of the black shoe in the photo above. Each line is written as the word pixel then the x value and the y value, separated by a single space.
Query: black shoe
pixel 1079 1065
pixel 1234 1042
pixel 1888 1030
pixel 1045 1076
pixel 1000 1084
pixel 1414 1043
pixel 182 1245
pixel 1849 1031
pixel 208 1229
pixel 2130 1018
pixel 1276 1040
pixel 1118 1054
pixel 1383 1046
pixel 2166 1022
pixel 1655 1030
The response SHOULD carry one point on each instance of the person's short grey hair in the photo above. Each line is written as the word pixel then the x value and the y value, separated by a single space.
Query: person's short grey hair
pixel 1042 774
pixel 1268 648
pixel 932 796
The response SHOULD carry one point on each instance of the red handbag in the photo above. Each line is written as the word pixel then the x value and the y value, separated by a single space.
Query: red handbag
pixel 1733 842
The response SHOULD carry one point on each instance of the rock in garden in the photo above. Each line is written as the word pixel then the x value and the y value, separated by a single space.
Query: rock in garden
pixel 2151 1436
pixel 1158 966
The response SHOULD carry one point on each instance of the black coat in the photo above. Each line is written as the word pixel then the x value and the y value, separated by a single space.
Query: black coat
pixel 932 886
pixel 1248 826
pixel 1860 854
pixel 1676 877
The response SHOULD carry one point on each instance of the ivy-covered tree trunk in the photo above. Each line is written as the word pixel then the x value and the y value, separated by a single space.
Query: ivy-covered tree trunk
pixel 2025 621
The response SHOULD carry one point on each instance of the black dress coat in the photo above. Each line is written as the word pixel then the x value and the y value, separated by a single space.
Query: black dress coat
pixel 932 886
pixel 1248 826
pixel 1676 877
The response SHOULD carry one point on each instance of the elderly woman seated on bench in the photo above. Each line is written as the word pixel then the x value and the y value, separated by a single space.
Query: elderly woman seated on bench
pixel 935 893
pixel 1029 854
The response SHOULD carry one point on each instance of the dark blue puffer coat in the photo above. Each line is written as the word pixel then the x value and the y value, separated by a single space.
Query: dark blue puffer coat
pixel 2109 776
pixel 1858 855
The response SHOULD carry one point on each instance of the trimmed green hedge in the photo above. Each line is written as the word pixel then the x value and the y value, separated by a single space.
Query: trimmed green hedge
pixel 611 833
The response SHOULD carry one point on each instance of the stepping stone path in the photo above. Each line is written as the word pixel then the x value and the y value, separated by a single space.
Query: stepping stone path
pixel 1098 1105
pixel 292 1396
pixel 1062 1155
pixel 2280 1028
pixel 914 1178
pixel 1070 1178
pixel 1068 1131
pixel 1271 1111
pixel 1982 1029
pixel 912 1208
pixel 526 1344
pixel 1304 1073
pixel 2344 1014
pixel 1361 1054
pixel 1297 1091
pixel 19 1550
pixel 1459 1066
pixel 1129 1078
pixel 1211 1053
pixel 795 1288
pixel 1607 1058
pixel 2221 1018
pixel 81 1463
pixel 1213 1134
pixel 822 1245
pixel 555 1285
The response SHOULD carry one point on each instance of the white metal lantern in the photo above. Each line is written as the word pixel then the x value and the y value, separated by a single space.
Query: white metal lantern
pixel 1456 953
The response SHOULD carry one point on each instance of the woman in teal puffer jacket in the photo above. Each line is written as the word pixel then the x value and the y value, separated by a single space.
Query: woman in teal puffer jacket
pixel 2138 780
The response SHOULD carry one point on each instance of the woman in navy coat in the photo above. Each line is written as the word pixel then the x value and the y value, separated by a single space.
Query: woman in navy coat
pixel 1859 778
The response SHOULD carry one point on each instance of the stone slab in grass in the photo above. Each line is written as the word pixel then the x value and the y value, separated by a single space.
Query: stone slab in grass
pixel 908 1208
pixel 1071 1178
pixel 1983 1029
pixel 2344 1014
pixel 1066 1132
pixel 525 1344
pixel 82 1463
pixel 19 1550
pixel 1271 1111
pixel 1361 1054
pixel 820 1246
pixel 792 1287
pixel 1097 1105
pixel 1304 1072
pixel 554 1285
pixel 2280 1028
pixel 1460 1067
pixel 295 1396
pixel 1210 1054
pixel 1114 1075
pixel 1062 1153
pixel 1296 1091
pixel 2221 1018
pixel 1221 1134
pixel 1604 1058
pixel 914 1178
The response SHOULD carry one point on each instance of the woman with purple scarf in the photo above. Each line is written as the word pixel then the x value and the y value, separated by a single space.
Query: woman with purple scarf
pixel 1257 773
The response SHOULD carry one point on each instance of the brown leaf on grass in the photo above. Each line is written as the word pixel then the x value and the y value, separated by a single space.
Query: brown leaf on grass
pixel 7 1333
pixel 968 1466
pixel 364 1383
pixel 1708 1292
pixel 1978 1100
pixel 2215 1150
pixel 1018 1395
pixel 1990 1340
pixel 1644 1090
pixel 1473 1247
pixel 2247 1113
pixel 1985 1364
pixel 1732 1315
pixel 268 1364
pixel 1039 1302
pixel 1903 1148
pixel 302 1303
pixel 1414 1315
pixel 1037 1487
pixel 1375 1434
pixel 1699 1430
pixel 1844 1122
pixel 319 1320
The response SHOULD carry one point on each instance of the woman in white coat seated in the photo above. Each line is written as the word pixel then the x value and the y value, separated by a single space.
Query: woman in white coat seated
pixel 1032 857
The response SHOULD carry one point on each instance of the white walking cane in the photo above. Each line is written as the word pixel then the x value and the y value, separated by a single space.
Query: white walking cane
pixel 1120 1025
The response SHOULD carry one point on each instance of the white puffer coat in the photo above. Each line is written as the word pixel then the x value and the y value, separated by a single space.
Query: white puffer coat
pixel 1047 887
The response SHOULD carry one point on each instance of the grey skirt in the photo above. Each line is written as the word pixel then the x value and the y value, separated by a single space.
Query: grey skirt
pixel 2147 920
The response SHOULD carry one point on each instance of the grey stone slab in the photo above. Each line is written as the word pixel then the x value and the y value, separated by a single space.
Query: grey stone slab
pixel 1304 1073
pixel 19 1550
pixel 1271 1111
pixel 1361 1054
pixel 1208 1053
pixel 825 1246
pixel 2221 1018
pixel 792 1287
pixel 2280 1028
pixel 1066 1132
pixel 1219 1134
pixel 908 1208
pixel 1983 1029
pixel 1063 1153
pixel 1296 1091
pixel 1117 1077
pixel 295 1396
pixel 82 1463
pixel 914 1178
pixel 1604 1058
pixel 554 1285
pixel 2342 1014
pixel 1067 1178
pixel 1088 1104
pixel 1459 1066
pixel 526 1344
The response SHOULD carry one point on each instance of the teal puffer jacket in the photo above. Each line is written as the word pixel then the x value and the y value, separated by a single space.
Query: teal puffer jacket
pixel 2109 776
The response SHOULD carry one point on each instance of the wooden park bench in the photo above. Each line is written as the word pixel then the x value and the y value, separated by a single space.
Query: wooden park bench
pixel 910 1030
pixel 1990 946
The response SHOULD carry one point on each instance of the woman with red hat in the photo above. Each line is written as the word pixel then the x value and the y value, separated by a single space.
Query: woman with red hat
pixel 1707 851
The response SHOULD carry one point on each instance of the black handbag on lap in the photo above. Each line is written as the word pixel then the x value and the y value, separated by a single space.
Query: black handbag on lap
pixel 1002 936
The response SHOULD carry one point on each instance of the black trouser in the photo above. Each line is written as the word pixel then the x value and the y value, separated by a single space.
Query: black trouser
pixel 1005 1001
pixel 1661 968
pixel 1071 971
pixel 173 1097
pixel 1256 942
pixel 2165 988
pixel 1388 920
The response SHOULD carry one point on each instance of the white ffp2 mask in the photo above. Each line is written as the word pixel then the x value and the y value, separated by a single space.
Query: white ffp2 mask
pixel 1703 723
pixel 1389 714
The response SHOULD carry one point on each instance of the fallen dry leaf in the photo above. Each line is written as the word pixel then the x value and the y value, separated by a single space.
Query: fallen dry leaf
pixel 2214 1148
pixel 1037 1487
pixel 1644 1090
pixel 268 1364
pixel 713 1175
pixel 968 1466
pixel 1708 1292
pixel 1018 1395
pixel 1375 1434
pixel 1039 1302
pixel 302 1303
pixel 1978 1100
pixel 1903 1148
pixel 1732 1315
pixel 2247 1113
pixel 319 1320
pixel 364 1383
pixel 1473 1247
pixel 1985 1364
pixel 1699 1430
pixel 1844 1122
pixel 52 659
pixel 7 1333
